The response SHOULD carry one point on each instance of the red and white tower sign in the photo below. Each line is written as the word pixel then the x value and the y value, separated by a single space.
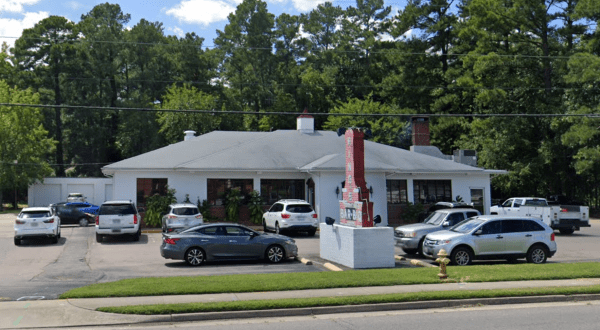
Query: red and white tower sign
pixel 355 207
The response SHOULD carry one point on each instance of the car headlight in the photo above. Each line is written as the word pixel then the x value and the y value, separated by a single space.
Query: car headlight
pixel 442 242
pixel 290 241
pixel 411 234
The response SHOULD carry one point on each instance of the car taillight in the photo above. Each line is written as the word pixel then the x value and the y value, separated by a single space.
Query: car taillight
pixel 97 220
pixel 171 217
pixel 19 222
pixel 171 241
pixel 199 216
pixel 135 219
pixel 314 215
pixel 552 237
pixel 564 210
pixel 49 221
pixel 285 215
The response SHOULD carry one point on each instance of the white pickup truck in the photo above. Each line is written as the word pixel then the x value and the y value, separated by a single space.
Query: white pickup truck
pixel 565 218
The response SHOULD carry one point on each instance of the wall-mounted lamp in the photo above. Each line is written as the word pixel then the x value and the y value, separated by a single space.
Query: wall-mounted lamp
pixel 337 191
pixel 371 190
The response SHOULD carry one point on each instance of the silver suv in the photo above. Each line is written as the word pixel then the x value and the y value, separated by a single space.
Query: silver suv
pixel 493 237
pixel 410 237
pixel 291 215
pixel 118 218
pixel 181 216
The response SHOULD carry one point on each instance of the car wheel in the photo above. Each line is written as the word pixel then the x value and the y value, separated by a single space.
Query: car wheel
pixel 461 256
pixel 537 254
pixel 55 239
pixel 275 254
pixel 312 232
pixel 265 226
pixel 83 222
pixel 194 256
pixel 98 238
pixel 566 231
pixel 58 235
pixel 136 236
pixel 420 249
pixel 277 229
pixel 17 241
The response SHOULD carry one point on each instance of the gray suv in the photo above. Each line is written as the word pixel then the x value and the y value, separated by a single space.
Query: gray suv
pixel 493 237
pixel 181 216
pixel 410 237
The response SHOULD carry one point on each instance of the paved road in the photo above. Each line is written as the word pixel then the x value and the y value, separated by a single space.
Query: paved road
pixel 41 270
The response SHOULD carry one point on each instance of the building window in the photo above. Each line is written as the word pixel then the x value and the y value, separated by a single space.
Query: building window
pixel 396 191
pixel 218 188
pixel 432 191
pixel 150 187
pixel 272 190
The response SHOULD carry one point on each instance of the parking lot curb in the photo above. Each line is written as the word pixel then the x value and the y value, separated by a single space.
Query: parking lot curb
pixel 332 267
pixel 306 261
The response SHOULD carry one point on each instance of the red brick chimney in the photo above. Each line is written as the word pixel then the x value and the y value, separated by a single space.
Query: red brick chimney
pixel 420 131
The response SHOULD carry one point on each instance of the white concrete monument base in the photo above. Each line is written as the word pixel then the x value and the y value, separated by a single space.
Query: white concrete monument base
pixel 358 247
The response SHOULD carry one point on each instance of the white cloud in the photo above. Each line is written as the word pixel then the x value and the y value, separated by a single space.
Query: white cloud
pixel 305 5
pixel 15 6
pixel 203 11
pixel 74 5
pixel 13 28
pixel 176 31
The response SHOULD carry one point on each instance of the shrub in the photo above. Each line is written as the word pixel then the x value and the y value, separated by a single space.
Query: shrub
pixel 255 205
pixel 232 205
pixel 157 206
pixel 411 212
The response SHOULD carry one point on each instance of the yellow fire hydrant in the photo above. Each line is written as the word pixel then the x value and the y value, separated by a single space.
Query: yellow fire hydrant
pixel 442 261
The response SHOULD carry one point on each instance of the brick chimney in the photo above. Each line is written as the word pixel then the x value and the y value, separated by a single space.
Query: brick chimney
pixel 420 131
pixel 305 123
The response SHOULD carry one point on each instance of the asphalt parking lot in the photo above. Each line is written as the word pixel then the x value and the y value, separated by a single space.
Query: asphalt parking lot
pixel 42 270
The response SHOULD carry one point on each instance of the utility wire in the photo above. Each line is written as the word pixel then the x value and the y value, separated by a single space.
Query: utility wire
pixel 280 113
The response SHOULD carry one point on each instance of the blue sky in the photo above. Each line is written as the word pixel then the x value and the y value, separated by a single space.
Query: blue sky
pixel 203 17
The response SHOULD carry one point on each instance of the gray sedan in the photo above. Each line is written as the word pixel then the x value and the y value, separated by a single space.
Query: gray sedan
pixel 224 241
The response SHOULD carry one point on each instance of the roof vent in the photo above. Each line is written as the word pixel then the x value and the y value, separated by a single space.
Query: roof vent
pixel 305 123
pixel 188 135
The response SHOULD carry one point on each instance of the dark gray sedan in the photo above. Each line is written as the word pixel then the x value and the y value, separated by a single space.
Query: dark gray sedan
pixel 224 241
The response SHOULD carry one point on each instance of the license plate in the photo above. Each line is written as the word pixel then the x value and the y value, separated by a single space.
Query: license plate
pixel 116 221
pixel 302 218
pixel 34 224
pixel 116 230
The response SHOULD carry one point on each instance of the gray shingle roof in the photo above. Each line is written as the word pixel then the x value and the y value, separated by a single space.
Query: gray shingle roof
pixel 282 150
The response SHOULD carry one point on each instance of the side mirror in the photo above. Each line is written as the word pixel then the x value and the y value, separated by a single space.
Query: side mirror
pixel 141 210
pixel 329 221
pixel 377 219
pixel 446 223
pixel 478 232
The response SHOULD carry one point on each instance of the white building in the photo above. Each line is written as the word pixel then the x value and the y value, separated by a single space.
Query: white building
pixel 301 163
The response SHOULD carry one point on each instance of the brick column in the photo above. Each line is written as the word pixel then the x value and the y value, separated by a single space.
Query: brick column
pixel 355 207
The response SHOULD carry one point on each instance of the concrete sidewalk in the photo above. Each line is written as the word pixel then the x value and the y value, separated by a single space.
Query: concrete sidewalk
pixel 81 312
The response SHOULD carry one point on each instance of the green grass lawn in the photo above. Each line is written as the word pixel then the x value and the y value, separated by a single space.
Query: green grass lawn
pixel 341 301
pixel 153 286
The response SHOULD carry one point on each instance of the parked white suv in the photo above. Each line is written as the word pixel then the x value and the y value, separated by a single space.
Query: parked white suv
pixel 118 218
pixel 181 216
pixel 291 215
pixel 493 237
pixel 37 222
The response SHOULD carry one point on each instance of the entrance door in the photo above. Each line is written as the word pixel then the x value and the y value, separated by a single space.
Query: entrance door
pixel 477 199
pixel 311 192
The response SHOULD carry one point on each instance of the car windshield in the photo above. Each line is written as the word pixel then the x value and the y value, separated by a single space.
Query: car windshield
pixel 299 208
pixel 435 218
pixel 466 226
pixel 185 211
pixel 34 214
pixel 109 209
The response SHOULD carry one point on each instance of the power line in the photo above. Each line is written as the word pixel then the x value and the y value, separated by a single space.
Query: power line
pixel 279 113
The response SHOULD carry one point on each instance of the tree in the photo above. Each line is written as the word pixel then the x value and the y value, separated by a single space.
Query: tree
pixel 394 131
pixel 172 124
pixel 43 55
pixel 24 143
